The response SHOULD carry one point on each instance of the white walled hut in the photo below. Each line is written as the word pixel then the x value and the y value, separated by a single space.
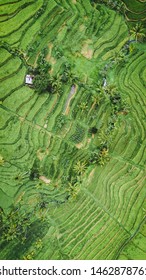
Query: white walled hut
pixel 29 80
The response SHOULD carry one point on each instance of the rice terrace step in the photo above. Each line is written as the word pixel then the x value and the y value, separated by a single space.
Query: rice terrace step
pixel 72 136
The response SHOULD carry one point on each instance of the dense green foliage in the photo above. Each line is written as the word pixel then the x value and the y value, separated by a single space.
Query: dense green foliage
pixel 72 159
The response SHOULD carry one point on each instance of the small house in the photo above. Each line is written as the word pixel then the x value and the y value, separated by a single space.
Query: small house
pixel 104 82
pixel 29 80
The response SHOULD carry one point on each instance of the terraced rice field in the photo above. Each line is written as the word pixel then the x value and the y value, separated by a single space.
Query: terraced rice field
pixel 72 157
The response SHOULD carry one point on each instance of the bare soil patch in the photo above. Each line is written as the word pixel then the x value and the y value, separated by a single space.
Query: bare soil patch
pixel 45 180
pixel 87 51
pixel 80 145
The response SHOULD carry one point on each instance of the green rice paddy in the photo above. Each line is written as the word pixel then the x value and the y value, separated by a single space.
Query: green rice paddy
pixel 72 150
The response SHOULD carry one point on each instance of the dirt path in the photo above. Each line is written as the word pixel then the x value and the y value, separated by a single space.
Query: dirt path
pixel 72 92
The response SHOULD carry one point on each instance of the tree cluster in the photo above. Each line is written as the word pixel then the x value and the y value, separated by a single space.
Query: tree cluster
pixel 14 225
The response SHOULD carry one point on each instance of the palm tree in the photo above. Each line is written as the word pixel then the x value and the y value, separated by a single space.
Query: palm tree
pixel 100 89
pixel 96 99
pixel 38 244
pixel 56 84
pixel 73 189
pixel 103 138
pixel 104 152
pixel 118 57
pixel 71 78
pixel 111 89
pixel 29 256
pixel 121 7
pixel 94 156
pixel 83 106
pixel 65 76
pixel 103 156
pixel 138 32
pixel 80 167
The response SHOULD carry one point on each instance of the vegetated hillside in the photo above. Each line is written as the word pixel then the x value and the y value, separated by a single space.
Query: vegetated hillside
pixel 72 161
